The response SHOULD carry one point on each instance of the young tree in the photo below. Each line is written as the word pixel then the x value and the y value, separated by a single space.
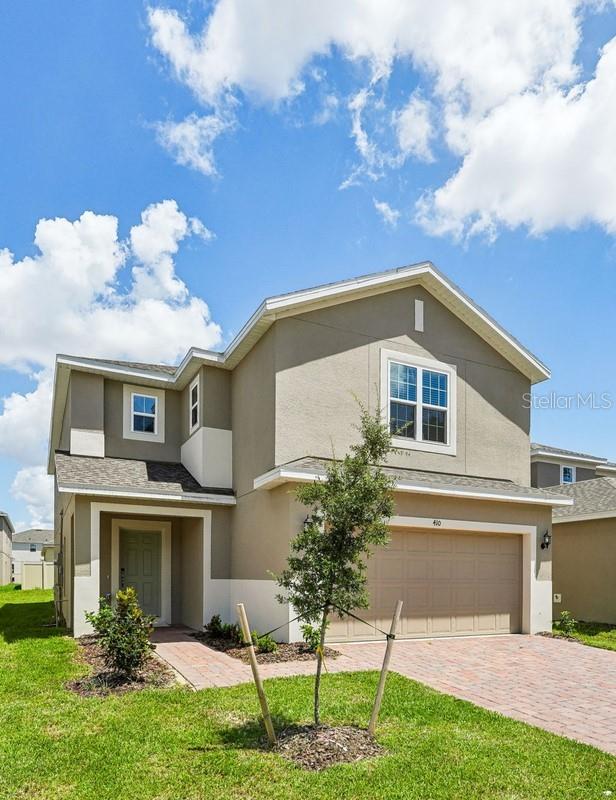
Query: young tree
pixel 350 510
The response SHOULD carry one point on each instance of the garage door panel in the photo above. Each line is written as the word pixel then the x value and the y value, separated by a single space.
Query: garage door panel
pixel 450 583
pixel 442 569
pixel 464 569
pixel 417 569
pixel 415 544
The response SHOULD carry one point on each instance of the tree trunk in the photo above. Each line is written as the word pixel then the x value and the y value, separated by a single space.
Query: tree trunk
pixel 317 681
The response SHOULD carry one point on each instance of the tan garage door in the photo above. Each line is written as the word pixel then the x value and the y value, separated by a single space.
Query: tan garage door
pixel 452 584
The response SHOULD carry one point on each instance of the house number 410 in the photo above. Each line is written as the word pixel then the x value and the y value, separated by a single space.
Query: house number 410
pixel 437 523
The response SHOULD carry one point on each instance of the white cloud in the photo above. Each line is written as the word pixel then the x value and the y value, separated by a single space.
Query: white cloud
pixel 68 298
pixel 414 129
pixel 34 487
pixel 542 159
pixel 154 243
pixel 497 87
pixel 389 215
pixel 24 421
pixel 328 110
pixel 191 142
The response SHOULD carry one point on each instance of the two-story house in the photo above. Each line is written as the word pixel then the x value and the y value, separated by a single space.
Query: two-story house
pixel 6 545
pixel 584 557
pixel 180 480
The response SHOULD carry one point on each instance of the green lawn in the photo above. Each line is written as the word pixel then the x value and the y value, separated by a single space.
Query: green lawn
pixel 595 634
pixel 172 744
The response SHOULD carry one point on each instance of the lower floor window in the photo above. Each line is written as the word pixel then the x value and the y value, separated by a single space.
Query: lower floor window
pixel 402 420
pixel 434 425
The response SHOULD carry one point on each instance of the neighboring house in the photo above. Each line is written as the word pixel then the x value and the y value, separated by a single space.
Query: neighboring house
pixel 180 480
pixel 6 542
pixel 584 558
pixel 28 549
pixel 552 466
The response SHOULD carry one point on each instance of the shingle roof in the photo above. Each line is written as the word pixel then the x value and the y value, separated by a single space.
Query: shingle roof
pixel 439 480
pixel 160 477
pixel 34 536
pixel 166 368
pixel 558 451
pixel 596 496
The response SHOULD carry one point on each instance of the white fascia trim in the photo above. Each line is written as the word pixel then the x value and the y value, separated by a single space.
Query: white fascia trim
pixel 186 497
pixel 93 365
pixel 275 477
pixel 552 458
pixel 585 517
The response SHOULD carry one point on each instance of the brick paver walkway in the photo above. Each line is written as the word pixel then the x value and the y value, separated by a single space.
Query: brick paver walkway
pixel 560 686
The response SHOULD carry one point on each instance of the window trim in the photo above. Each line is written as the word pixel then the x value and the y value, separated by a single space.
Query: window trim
pixel 573 474
pixel 143 413
pixel 192 428
pixel 421 363
pixel 128 431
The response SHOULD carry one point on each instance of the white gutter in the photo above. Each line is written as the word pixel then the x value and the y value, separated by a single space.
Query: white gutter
pixel 184 497
pixel 280 475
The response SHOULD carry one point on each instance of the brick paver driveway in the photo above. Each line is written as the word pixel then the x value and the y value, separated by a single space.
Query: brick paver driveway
pixel 561 686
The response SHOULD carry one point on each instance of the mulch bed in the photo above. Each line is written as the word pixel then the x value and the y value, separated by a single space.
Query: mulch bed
pixel 550 635
pixel 316 748
pixel 294 651
pixel 100 682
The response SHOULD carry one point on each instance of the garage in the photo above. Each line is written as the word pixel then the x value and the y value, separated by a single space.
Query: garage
pixel 451 583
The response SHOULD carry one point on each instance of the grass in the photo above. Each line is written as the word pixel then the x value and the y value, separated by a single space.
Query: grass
pixel 172 744
pixel 594 634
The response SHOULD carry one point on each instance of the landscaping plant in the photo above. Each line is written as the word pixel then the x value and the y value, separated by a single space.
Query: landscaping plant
pixel 124 632
pixel 326 570
pixel 567 623
pixel 311 635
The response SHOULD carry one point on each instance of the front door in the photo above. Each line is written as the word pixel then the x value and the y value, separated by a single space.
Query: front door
pixel 140 553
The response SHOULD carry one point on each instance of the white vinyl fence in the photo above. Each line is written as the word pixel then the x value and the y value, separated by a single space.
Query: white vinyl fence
pixel 37 576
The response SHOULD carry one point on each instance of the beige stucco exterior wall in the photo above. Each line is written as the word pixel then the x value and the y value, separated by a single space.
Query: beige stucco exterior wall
pixel 118 447
pixel 325 357
pixel 214 400
pixel 253 413
pixel 87 401
pixel 585 569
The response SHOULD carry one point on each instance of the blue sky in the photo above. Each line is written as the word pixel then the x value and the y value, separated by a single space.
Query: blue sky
pixel 89 92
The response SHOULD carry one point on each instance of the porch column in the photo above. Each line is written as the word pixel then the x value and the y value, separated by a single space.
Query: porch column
pixel 87 584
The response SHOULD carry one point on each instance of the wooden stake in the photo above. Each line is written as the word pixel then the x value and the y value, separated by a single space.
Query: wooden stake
pixel 269 726
pixel 381 687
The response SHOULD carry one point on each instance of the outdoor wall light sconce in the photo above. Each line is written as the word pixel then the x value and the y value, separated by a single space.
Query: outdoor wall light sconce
pixel 546 540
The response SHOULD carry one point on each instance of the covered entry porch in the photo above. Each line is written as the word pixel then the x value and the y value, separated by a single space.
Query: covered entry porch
pixel 163 551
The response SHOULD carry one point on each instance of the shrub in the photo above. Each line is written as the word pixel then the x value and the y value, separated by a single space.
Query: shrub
pixel 123 631
pixel 218 629
pixel 214 627
pixel 566 624
pixel 265 644
pixel 312 636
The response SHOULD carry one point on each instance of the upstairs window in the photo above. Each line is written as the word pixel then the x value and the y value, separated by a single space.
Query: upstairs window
pixel 194 405
pixel 567 474
pixel 420 402
pixel 144 413
pixel 32 547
